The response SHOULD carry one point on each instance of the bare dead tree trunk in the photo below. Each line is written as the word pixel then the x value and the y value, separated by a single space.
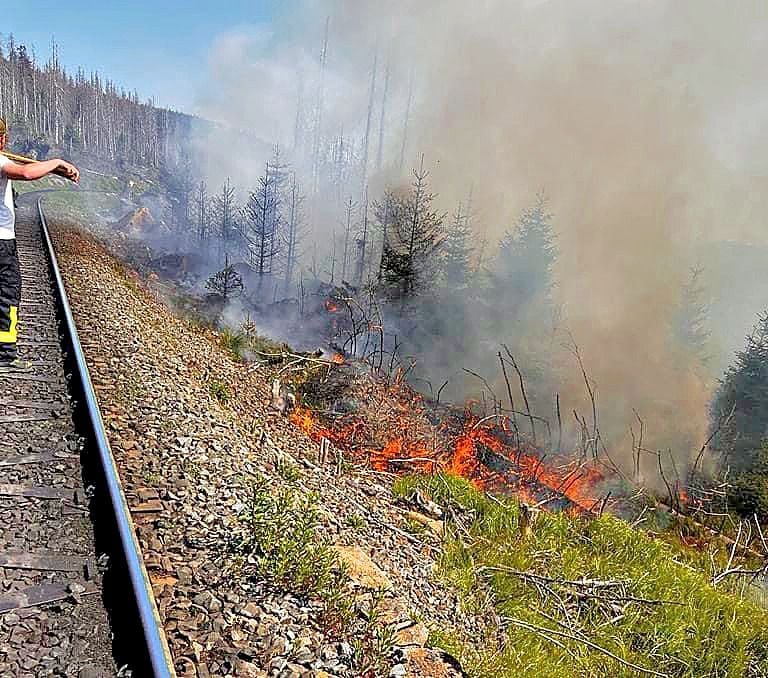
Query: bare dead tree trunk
pixel 382 119
pixel 363 243
pixel 293 234
pixel 317 132
pixel 333 257
pixel 367 137
pixel 406 121
pixel 298 125
pixel 347 234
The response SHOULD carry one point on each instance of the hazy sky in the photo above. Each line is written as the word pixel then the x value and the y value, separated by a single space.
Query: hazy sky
pixel 160 47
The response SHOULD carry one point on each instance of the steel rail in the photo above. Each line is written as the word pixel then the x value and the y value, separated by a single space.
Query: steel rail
pixel 156 645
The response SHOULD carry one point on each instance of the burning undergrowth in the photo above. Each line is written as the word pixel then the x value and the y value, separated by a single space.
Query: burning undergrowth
pixel 366 403
pixel 386 424
pixel 571 595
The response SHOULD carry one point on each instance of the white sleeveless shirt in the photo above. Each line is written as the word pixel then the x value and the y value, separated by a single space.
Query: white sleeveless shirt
pixel 7 211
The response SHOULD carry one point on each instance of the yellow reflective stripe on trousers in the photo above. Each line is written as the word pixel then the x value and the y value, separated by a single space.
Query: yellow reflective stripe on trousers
pixel 10 336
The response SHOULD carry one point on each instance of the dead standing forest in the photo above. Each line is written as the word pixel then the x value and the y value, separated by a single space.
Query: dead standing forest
pixel 400 283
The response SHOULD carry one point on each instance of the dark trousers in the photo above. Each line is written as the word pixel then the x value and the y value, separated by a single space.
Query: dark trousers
pixel 10 296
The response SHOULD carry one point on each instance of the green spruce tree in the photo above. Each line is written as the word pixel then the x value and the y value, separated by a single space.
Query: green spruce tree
pixel 457 252
pixel 413 238
pixel 522 278
pixel 742 402
pixel 521 311
pixel 690 324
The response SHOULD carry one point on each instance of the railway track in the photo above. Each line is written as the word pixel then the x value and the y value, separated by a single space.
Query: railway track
pixel 75 599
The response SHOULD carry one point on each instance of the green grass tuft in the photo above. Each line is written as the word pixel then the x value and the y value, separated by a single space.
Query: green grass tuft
pixel 278 539
pixel 355 521
pixel 220 392
pixel 234 342
pixel 287 470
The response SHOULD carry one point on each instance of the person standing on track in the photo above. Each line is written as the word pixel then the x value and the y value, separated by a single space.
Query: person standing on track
pixel 10 275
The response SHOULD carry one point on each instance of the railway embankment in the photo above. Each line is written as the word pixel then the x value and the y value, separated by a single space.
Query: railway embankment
pixel 264 559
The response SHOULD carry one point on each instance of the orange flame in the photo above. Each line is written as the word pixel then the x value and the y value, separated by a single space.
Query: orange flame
pixel 524 472
pixel 331 306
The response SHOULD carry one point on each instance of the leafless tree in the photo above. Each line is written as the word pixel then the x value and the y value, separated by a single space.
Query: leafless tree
pixel 367 137
pixel 201 210
pixel 225 217
pixel 406 122
pixel 319 105
pixel 383 118
pixel 349 207
pixel 294 231
pixel 362 242
pixel 261 217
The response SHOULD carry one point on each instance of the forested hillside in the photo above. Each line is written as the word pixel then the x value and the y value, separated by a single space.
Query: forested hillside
pixel 83 113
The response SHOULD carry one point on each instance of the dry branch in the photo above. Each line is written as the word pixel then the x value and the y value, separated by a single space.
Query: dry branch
pixel 545 632
pixel 723 421
pixel 522 390
pixel 509 390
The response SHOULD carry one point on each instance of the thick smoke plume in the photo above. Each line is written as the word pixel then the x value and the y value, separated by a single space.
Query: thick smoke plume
pixel 643 122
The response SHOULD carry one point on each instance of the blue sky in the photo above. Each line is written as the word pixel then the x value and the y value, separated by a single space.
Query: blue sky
pixel 157 48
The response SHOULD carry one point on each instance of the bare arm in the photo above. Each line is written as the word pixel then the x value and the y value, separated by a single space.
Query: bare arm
pixel 37 170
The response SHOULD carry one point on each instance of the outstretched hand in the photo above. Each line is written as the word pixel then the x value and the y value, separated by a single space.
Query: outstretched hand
pixel 70 171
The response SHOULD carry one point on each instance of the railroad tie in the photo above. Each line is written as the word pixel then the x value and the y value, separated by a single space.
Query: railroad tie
pixel 45 561
pixel 42 594
pixel 23 376
pixel 36 458
pixel 38 492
